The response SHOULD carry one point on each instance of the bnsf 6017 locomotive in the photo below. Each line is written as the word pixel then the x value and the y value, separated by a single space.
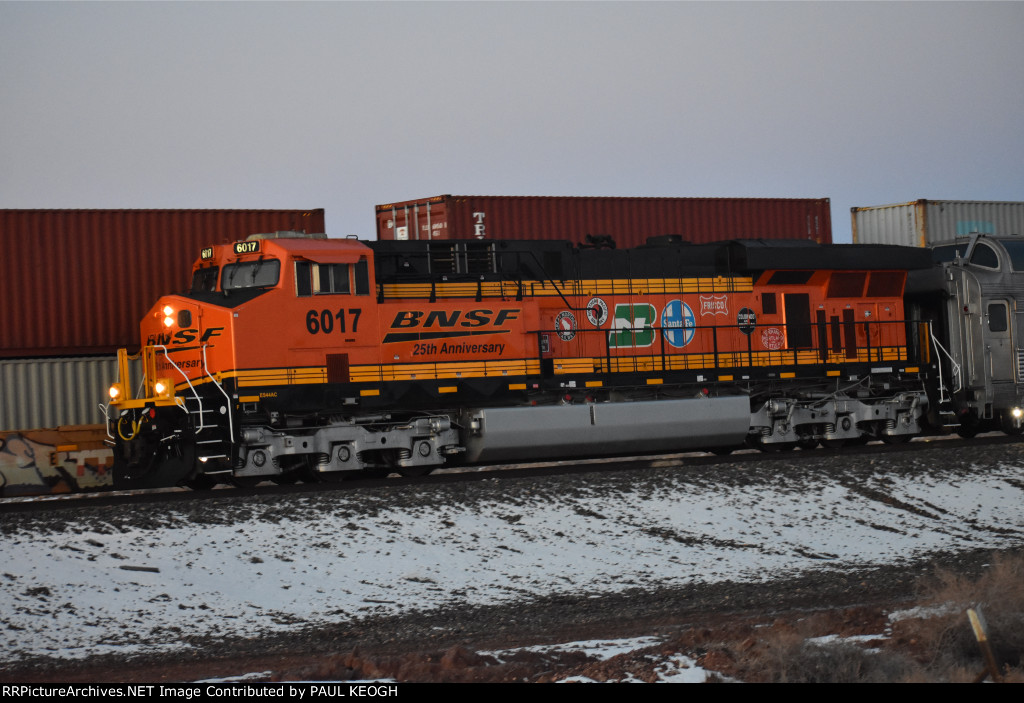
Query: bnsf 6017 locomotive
pixel 301 357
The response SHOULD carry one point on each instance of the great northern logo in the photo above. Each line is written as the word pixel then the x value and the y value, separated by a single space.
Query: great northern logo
pixel 416 325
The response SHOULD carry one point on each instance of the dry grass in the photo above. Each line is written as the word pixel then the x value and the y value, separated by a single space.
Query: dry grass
pixel 798 654
pixel 943 637
pixel 933 643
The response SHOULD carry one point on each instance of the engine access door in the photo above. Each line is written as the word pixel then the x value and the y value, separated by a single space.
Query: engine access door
pixel 999 341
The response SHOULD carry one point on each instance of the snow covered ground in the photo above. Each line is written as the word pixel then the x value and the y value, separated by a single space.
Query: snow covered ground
pixel 96 581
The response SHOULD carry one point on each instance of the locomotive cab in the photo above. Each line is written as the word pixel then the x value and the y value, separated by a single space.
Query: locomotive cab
pixel 246 320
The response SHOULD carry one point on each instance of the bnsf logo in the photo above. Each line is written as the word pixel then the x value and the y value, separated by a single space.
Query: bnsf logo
pixel 183 337
pixel 417 326
pixel 456 318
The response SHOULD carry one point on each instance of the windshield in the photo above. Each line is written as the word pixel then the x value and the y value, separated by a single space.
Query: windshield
pixel 251 274
pixel 204 280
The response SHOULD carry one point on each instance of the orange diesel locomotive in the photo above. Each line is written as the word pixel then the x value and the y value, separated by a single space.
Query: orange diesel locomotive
pixel 300 357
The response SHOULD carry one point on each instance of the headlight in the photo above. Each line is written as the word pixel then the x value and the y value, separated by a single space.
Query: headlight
pixel 168 311
pixel 163 387
pixel 168 321
pixel 115 391
pixel 1017 412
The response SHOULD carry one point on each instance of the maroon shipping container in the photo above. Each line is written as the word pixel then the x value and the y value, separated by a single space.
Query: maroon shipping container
pixel 78 281
pixel 629 221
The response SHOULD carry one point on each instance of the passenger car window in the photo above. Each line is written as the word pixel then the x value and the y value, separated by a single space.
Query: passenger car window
pixel 1016 252
pixel 997 321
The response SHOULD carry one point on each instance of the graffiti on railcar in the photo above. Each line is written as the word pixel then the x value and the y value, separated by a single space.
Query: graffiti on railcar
pixel 53 461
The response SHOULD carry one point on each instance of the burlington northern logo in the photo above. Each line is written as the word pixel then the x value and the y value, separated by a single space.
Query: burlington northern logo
pixel 442 324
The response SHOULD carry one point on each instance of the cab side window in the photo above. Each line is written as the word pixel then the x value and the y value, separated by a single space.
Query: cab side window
pixel 204 280
pixel 362 276
pixel 331 279
pixel 321 279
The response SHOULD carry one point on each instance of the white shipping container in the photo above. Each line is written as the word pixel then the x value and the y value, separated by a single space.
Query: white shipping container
pixel 56 392
pixel 923 222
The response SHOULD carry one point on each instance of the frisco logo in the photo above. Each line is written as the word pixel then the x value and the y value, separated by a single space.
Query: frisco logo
pixel 714 305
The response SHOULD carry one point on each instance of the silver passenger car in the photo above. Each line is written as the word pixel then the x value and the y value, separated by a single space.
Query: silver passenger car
pixel 978 339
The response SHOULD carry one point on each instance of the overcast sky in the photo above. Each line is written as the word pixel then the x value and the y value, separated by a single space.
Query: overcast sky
pixel 343 106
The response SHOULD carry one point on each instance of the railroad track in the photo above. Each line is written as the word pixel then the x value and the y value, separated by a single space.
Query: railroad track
pixel 463 474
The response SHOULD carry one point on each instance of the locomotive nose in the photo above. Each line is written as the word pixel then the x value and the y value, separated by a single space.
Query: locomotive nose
pixel 172 321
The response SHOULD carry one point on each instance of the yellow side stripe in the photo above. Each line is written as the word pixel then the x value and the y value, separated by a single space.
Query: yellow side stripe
pixel 577 366
pixel 533 289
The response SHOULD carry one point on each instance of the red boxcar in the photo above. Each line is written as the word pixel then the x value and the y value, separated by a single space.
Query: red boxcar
pixel 629 221
pixel 77 281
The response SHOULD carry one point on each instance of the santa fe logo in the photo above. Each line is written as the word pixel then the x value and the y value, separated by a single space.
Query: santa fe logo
pixel 632 325
pixel 677 323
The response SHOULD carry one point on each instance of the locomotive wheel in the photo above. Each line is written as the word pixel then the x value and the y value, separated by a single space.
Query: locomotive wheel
pixel 414 471
pixel 722 451
pixel 293 470
pixel 308 474
pixel 286 479
pixel 895 438
pixel 201 482
pixel 773 447
pixel 246 481
pixel 807 443
pixel 339 476
pixel 833 443
pixel 967 430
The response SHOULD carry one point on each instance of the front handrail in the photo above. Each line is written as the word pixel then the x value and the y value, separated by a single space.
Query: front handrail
pixel 954 367
pixel 206 370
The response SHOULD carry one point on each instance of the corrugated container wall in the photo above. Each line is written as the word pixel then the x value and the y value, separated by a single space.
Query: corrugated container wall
pixel 629 221
pixel 38 393
pixel 77 282
pixel 923 222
